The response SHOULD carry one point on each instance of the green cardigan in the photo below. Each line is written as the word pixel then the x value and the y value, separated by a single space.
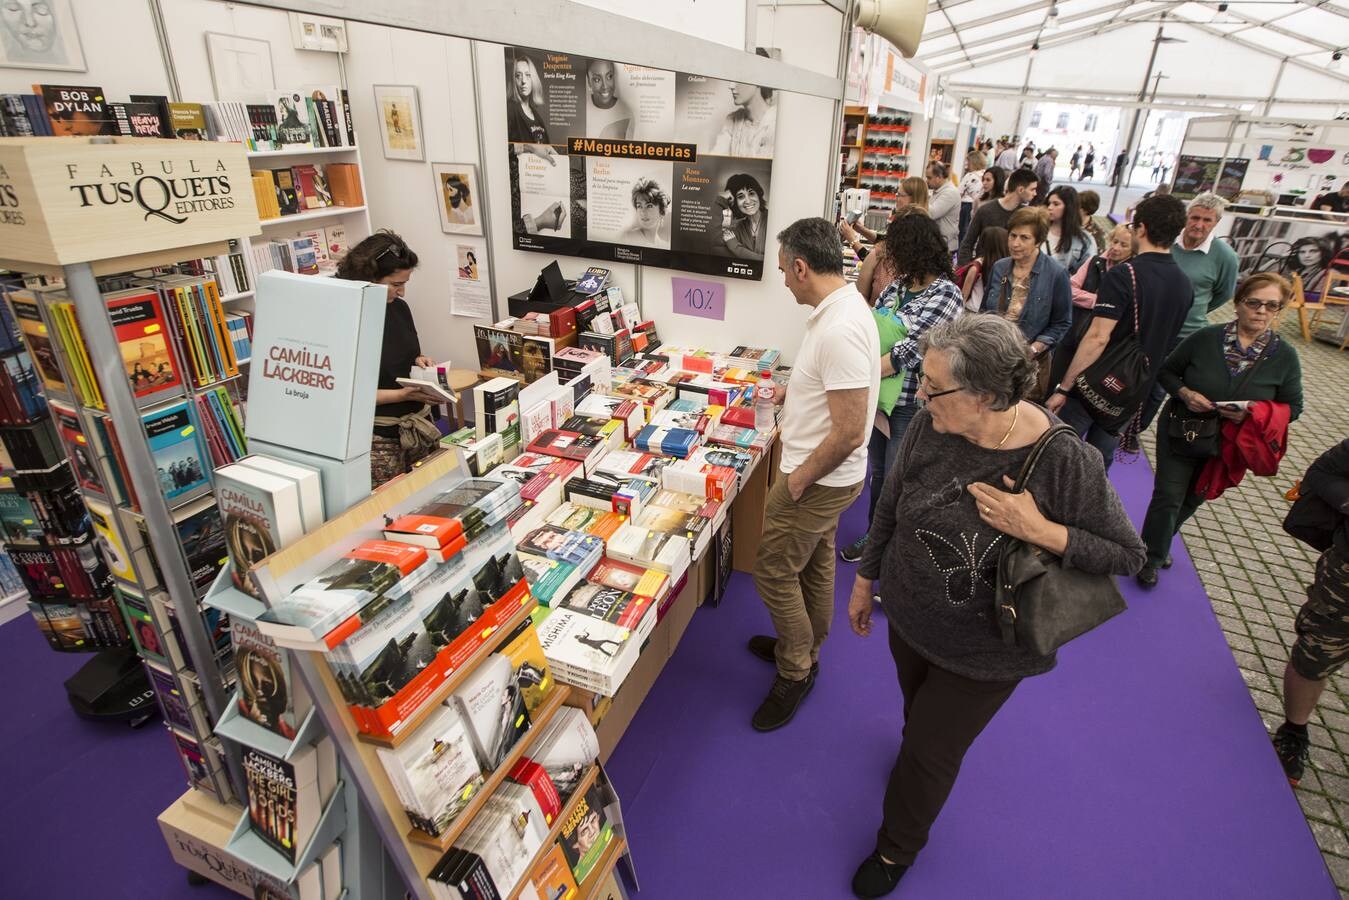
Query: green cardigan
pixel 1198 364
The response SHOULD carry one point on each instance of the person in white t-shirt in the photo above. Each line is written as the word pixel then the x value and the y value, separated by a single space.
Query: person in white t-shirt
pixel 825 420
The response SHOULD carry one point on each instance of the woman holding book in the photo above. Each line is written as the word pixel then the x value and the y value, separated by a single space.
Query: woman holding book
pixel 1243 360
pixel 405 431
pixel 942 518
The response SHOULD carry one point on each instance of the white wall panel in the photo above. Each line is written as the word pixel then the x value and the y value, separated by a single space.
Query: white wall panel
pixel 120 50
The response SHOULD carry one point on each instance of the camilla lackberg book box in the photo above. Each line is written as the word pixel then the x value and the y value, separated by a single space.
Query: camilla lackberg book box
pixel 311 387
pixel 287 796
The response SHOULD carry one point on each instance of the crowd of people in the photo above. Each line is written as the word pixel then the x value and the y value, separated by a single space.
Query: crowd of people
pixel 981 323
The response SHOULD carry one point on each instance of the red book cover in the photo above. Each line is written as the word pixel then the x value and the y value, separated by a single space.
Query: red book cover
pixel 405 557
pixel 739 416
pixel 533 776
pixel 142 333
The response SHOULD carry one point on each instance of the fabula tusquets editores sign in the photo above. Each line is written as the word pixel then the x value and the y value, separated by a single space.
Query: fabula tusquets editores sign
pixel 65 200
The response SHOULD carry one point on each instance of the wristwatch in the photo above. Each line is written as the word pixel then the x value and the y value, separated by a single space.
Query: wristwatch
pixel 1060 389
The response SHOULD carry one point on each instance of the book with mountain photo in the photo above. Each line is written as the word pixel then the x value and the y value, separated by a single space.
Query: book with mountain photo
pixel 142 334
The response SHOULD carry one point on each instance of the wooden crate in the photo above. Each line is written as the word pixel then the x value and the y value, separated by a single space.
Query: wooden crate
pixel 80 199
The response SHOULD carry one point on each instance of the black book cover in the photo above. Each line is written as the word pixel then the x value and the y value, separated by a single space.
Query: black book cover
pixel 161 104
pixel 272 799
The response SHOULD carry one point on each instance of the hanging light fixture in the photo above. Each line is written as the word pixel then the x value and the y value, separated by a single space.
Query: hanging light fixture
pixel 1335 58
pixel 1052 19
pixel 1034 48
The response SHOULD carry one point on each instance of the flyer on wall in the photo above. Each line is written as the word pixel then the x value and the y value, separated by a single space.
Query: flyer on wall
pixel 631 164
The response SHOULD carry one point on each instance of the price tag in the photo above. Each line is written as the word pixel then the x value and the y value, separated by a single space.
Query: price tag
pixel 694 297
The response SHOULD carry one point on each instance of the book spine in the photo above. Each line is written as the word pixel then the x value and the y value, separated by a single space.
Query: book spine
pixel 346 115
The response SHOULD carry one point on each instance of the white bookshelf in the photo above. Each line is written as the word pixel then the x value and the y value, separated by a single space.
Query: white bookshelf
pixel 313 215
pixel 356 218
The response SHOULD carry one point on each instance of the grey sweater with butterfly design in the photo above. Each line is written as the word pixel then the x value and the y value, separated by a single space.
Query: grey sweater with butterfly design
pixel 936 560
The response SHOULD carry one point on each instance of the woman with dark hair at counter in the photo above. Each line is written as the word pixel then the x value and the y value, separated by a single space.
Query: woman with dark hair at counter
pixel 747 232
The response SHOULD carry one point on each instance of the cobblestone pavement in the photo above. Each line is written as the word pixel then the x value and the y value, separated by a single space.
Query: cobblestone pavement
pixel 1256 577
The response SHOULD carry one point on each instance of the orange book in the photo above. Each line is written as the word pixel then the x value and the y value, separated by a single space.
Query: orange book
pixel 344 181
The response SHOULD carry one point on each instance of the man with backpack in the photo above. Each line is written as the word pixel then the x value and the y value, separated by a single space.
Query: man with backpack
pixel 1320 518
pixel 1139 310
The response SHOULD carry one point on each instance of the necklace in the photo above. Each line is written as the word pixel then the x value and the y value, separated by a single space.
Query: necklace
pixel 1016 411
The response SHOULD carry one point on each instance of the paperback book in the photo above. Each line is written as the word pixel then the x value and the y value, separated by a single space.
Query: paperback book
pixel 268 694
pixel 175 445
pixel 287 796
pixel 435 772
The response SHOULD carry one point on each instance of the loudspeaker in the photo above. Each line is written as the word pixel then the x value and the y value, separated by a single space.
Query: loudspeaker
pixel 112 685
pixel 898 21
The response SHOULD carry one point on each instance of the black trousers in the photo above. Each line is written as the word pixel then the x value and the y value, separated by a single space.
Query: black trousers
pixel 943 714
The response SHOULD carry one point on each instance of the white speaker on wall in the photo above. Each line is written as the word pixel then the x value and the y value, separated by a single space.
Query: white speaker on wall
pixel 898 21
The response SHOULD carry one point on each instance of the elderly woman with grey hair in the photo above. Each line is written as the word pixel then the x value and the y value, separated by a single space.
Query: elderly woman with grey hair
pixel 942 519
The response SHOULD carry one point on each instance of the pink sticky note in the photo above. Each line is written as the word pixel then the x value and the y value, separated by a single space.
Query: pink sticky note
pixel 695 297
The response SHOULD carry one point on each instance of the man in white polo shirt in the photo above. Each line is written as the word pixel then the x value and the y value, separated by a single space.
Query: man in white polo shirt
pixel 826 418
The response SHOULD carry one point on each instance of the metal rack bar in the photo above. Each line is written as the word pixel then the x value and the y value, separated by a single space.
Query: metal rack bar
pixel 107 361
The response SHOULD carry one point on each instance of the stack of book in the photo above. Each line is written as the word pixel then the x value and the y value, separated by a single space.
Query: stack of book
pixel 676 442
pixel 556 559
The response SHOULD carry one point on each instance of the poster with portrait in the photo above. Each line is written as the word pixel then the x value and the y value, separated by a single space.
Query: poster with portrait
pixel 626 163
pixel 1197 174
pixel 457 198
pixel 1305 248
pixel 40 34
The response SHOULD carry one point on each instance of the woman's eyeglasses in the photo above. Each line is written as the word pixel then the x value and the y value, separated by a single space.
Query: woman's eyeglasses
pixel 391 248
pixel 926 385
pixel 1255 305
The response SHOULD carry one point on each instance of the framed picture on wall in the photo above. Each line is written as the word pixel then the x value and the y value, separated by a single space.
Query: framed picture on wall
pixel 457 198
pixel 400 121
pixel 241 68
pixel 40 35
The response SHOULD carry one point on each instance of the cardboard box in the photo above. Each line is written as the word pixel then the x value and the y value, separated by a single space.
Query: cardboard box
pixel 748 511
pixel 197 828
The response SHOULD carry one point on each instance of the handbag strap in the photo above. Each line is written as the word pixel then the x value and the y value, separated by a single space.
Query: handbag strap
pixel 1133 280
pixel 1028 467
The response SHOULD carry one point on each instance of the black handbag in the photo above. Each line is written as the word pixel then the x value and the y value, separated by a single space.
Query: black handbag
pixel 1041 603
pixel 1199 435
pixel 1115 385
pixel 1191 434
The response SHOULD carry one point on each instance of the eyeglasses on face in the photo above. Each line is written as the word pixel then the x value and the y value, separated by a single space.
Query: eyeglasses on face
pixel 925 384
pixel 1271 305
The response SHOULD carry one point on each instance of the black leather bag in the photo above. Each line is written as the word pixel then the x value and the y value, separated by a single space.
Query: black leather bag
pixel 1191 434
pixel 1041 604
pixel 1115 385
pixel 1199 435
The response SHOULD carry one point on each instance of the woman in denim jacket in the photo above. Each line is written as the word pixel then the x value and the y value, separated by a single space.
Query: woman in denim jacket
pixel 1030 288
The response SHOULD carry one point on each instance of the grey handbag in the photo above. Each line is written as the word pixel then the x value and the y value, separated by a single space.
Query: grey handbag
pixel 1041 603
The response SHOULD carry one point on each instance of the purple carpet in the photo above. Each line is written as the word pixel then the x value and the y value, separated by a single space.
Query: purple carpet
pixel 1137 768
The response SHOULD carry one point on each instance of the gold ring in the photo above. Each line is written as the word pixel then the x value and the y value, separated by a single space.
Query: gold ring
pixel 987 510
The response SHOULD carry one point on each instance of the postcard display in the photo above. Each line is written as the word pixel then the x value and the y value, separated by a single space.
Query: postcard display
pixel 638 165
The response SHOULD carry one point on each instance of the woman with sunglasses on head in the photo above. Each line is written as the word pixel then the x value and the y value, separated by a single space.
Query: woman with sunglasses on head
pixel 405 431
pixel 1244 360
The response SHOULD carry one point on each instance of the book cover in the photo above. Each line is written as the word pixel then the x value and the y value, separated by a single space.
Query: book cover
pixel 178 453
pixel 267 693
pixel 653 549
pixel 553 542
pixel 628 577
pixel 617 607
pixel 188 121
pixel 435 772
pixel 494 709
pixel 172 704
pixel 551 877
pixel 587 833
pixel 138 322
pixel 528 665
pixel 548 578
pixel 284 797
pixel 76 110
pixel 292 118
pixel 260 513
pixel 333 605
pixel 316 350
pixel 109 541
pixel 18 520
pixel 71 430
pixel 586 651
pixel 29 319
pixel 336 236
pixel 500 352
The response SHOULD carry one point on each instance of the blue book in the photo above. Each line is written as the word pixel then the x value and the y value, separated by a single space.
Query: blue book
pixel 176 445
pixel 678 442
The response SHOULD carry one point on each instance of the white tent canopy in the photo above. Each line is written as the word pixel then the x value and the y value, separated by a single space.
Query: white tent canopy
pixel 1097 51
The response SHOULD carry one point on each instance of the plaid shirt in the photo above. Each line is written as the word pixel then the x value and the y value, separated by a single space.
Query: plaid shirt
pixel 1239 360
pixel 939 302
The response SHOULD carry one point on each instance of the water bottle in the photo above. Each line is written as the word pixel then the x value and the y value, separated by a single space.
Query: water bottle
pixel 764 420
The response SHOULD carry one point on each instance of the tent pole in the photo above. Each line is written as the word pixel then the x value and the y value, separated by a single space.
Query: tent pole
pixel 1133 127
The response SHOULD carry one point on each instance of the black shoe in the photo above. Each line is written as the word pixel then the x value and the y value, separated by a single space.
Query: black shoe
pixel 1293 749
pixel 781 703
pixel 1168 562
pixel 1147 576
pixel 765 647
pixel 875 877
pixel 853 552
